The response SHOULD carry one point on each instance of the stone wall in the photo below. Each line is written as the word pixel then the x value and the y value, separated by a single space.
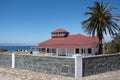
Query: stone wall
pixel 5 60
pixel 76 66
pixel 51 65
pixel 100 64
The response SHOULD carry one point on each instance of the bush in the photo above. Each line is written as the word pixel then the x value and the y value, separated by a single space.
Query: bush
pixel 3 50
pixel 114 46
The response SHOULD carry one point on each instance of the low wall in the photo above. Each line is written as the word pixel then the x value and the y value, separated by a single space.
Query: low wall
pixel 76 66
pixel 5 60
pixel 99 64
pixel 52 65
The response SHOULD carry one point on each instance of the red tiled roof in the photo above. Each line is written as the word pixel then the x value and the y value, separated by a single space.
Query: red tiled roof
pixel 71 41
pixel 59 30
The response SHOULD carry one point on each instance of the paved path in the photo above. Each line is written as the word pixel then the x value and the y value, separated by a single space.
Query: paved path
pixel 15 74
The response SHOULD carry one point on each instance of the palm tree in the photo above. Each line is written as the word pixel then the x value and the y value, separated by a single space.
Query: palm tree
pixel 101 21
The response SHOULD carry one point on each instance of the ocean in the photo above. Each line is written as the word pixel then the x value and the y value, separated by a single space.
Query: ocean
pixel 15 48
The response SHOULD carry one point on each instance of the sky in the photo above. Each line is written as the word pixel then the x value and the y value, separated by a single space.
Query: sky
pixel 32 21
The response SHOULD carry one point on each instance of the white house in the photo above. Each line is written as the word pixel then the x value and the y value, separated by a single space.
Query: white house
pixel 64 44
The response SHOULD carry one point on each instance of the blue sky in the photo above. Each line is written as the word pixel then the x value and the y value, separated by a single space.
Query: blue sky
pixel 31 21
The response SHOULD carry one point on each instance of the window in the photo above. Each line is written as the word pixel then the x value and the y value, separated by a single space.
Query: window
pixel 82 51
pixel 89 51
pixel 77 51
pixel 53 50
pixel 48 50
pixel 42 49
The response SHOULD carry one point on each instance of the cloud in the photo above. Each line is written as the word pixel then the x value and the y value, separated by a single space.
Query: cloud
pixel 107 38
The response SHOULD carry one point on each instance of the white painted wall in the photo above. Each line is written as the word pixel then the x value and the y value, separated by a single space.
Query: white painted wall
pixel 61 52
pixel 70 52
pixel 13 60
pixel 94 50
pixel 78 66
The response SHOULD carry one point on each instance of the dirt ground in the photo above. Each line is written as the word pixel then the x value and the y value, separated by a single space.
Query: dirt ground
pixel 16 74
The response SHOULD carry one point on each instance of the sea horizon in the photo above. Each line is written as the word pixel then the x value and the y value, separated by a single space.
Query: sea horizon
pixel 18 44
pixel 16 47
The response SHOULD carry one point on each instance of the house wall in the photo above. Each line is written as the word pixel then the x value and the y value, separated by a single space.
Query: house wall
pixel 94 50
pixel 70 52
pixel 61 52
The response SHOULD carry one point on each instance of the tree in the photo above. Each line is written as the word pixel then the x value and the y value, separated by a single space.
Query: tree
pixel 117 40
pixel 114 46
pixel 101 21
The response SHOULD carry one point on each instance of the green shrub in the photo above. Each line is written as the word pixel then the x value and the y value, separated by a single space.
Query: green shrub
pixel 3 50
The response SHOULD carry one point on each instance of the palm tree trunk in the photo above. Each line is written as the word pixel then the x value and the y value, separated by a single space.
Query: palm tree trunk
pixel 100 47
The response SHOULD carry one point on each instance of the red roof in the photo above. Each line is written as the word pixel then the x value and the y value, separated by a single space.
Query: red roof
pixel 71 41
pixel 59 30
